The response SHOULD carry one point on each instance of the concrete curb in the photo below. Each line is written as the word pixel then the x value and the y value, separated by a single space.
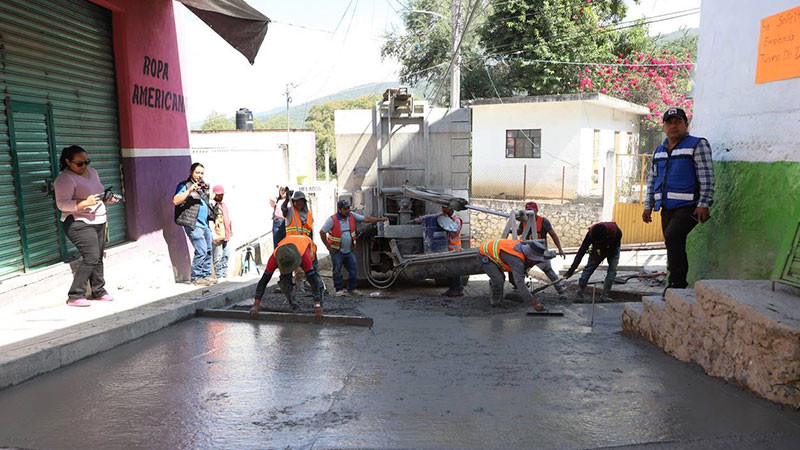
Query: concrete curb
pixel 26 359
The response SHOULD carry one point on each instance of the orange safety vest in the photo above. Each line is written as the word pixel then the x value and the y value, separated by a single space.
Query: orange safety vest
pixel 539 220
pixel 300 242
pixel 454 239
pixel 335 236
pixel 492 249
pixel 298 228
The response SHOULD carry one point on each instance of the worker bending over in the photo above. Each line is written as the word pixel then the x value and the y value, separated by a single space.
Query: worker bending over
pixel 515 257
pixel 605 238
pixel 292 252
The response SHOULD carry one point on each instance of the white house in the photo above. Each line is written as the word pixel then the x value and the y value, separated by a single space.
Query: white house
pixel 539 147
pixel 250 165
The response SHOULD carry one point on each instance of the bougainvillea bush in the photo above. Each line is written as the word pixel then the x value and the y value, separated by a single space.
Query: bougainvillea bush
pixel 659 81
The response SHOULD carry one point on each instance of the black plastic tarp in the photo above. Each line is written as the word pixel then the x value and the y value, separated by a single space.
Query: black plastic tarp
pixel 238 23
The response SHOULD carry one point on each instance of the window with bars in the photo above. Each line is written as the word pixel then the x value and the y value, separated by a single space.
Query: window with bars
pixel 524 143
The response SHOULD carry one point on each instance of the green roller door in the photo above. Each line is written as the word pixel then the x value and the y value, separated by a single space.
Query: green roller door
pixel 55 56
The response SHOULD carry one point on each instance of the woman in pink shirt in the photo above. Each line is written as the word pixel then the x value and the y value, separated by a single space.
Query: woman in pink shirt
pixel 79 197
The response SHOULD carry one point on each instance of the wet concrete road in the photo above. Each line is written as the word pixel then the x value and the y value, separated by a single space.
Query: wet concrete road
pixel 417 379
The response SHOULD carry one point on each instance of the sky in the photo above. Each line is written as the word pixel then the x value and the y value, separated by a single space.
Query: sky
pixel 301 48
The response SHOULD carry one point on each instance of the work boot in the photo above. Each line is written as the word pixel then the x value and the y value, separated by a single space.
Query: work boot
pixel 450 293
pixel 579 295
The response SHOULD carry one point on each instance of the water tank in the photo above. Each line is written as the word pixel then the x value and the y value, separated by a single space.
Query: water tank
pixel 244 119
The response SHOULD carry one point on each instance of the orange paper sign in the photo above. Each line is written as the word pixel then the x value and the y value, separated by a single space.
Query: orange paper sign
pixel 779 47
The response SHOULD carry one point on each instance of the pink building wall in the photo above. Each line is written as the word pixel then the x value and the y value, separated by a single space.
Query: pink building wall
pixel 153 127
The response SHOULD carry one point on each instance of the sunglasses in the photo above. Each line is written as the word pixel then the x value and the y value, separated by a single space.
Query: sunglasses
pixel 81 163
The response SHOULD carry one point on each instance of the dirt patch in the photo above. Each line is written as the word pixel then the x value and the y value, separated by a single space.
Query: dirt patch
pixel 276 302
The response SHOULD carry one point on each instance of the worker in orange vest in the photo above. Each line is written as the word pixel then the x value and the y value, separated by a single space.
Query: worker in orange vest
pixel 299 222
pixel 543 228
pixel 515 257
pixel 292 252
pixel 339 235
pixel 605 238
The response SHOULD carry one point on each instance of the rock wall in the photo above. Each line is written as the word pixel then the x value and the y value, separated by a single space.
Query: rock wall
pixel 740 331
pixel 570 220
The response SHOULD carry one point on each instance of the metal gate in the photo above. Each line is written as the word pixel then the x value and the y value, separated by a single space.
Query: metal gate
pixel 629 191
pixel 57 55
pixel 30 127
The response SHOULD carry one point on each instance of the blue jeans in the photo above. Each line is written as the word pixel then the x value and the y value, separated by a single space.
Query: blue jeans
pixel 613 261
pixel 348 260
pixel 220 254
pixel 278 231
pixel 201 241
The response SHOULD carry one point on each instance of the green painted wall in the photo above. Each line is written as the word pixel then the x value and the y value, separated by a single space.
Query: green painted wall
pixel 753 220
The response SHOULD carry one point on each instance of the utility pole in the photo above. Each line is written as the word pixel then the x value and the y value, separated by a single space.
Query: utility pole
pixel 327 162
pixel 288 166
pixel 455 75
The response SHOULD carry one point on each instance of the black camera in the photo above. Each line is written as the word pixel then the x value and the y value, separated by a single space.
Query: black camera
pixel 202 185
pixel 108 195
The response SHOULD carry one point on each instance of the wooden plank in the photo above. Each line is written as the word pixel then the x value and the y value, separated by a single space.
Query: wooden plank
pixel 287 317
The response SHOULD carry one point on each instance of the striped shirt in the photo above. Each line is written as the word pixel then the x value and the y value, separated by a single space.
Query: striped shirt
pixel 704 167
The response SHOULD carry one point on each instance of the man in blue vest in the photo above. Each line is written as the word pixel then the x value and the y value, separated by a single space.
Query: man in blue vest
pixel 681 184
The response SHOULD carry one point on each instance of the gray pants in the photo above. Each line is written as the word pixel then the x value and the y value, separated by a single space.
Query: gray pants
pixel 496 279
pixel 547 268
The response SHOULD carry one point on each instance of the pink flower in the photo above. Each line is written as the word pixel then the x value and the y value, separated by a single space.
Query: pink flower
pixel 603 91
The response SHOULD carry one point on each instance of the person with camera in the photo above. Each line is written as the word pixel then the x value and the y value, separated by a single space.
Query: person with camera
pixel 82 202
pixel 278 220
pixel 191 202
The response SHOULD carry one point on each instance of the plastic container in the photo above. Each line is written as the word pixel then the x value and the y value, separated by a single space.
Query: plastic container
pixel 434 239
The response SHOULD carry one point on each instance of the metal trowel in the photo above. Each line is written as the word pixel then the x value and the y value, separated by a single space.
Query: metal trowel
pixel 547 312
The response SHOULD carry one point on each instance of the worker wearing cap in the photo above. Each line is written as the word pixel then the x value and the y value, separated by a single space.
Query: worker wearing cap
pixel 222 232
pixel 543 228
pixel 680 184
pixel 515 257
pixel 292 252
pixel 605 239
pixel 339 235
pixel 450 222
pixel 299 220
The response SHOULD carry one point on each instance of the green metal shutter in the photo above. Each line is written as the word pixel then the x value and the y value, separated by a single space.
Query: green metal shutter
pixel 59 53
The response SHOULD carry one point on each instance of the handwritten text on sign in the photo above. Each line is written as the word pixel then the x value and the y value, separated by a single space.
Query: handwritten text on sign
pixel 779 47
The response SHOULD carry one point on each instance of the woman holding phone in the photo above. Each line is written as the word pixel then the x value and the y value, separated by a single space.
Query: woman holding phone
pixel 79 197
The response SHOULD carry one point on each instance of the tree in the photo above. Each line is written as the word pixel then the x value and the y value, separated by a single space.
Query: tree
pixel 520 38
pixel 320 119
pixel 273 122
pixel 659 78
pixel 424 47
pixel 503 49
pixel 217 121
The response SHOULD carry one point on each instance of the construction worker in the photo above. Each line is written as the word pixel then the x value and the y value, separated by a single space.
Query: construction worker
pixel 292 252
pixel 339 235
pixel 543 228
pixel 681 184
pixel 515 257
pixel 450 222
pixel 299 222
pixel 605 238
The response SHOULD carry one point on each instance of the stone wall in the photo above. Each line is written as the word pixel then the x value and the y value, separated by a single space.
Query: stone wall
pixel 570 220
pixel 740 331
